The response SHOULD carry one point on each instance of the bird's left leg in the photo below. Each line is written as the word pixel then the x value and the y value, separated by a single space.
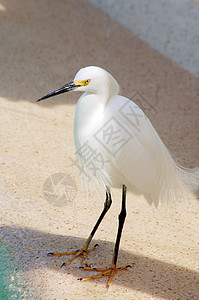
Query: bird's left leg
pixel 84 249
pixel 110 272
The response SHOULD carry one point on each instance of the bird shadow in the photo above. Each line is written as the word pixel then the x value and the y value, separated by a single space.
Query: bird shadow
pixel 148 275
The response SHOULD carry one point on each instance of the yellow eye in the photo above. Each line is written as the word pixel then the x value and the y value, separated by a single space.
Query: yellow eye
pixel 86 82
pixel 82 82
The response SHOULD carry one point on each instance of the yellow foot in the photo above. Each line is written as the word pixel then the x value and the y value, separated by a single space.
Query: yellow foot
pixel 82 251
pixel 110 272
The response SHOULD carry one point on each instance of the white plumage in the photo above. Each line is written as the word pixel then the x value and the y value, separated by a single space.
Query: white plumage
pixel 143 164
pixel 117 145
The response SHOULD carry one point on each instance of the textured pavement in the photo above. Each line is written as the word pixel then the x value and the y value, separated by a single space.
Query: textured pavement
pixel 43 44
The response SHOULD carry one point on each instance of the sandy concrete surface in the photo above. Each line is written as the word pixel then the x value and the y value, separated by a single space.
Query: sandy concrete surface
pixel 168 26
pixel 43 44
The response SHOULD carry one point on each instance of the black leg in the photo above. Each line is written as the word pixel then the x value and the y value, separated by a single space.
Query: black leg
pixel 110 272
pixel 121 218
pixel 107 205
pixel 84 249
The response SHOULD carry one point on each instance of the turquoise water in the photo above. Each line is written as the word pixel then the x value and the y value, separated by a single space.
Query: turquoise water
pixel 13 283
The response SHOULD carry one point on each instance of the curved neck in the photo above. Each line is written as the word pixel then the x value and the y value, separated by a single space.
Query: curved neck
pixel 89 111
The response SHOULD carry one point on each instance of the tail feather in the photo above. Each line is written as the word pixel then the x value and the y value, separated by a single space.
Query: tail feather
pixel 172 181
pixel 190 179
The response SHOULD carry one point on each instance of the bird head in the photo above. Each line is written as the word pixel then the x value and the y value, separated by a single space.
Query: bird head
pixel 90 79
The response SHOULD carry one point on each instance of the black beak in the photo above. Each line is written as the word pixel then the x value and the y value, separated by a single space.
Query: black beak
pixel 63 89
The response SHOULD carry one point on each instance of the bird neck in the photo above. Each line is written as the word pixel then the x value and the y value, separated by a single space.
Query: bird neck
pixel 89 111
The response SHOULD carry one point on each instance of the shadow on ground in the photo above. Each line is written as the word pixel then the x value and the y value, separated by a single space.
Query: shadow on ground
pixel 148 275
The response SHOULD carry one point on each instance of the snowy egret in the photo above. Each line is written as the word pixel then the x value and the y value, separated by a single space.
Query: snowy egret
pixel 117 145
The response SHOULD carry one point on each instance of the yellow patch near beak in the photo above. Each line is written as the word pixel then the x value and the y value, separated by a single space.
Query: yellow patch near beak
pixel 82 82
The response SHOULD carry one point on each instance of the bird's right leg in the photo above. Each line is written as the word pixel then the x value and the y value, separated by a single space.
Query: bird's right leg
pixel 84 249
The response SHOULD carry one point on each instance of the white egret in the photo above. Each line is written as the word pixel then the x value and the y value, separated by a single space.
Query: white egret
pixel 117 145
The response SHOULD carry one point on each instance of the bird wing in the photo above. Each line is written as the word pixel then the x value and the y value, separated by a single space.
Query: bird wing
pixel 141 159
